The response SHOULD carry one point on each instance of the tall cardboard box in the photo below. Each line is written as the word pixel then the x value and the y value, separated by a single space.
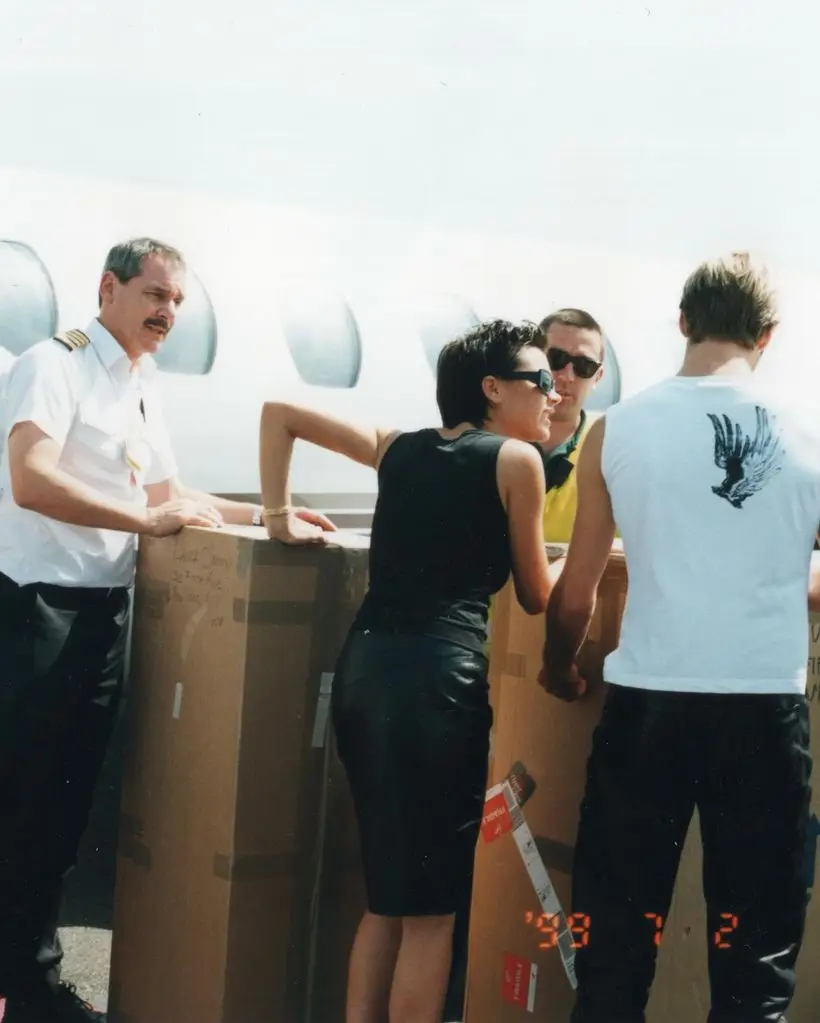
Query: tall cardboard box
pixel 238 891
pixel 541 744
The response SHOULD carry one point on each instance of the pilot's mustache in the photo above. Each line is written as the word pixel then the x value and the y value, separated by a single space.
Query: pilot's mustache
pixel 162 324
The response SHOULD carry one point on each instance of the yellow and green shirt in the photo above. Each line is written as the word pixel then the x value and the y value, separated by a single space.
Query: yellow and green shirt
pixel 561 499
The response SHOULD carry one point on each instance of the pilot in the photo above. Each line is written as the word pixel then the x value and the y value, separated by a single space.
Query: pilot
pixel 86 467
pixel 715 486
pixel 574 344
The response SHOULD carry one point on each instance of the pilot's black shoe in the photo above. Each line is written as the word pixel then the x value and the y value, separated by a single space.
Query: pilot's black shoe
pixel 68 1007
pixel 61 1006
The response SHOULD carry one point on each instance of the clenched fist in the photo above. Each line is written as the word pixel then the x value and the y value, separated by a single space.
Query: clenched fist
pixel 569 685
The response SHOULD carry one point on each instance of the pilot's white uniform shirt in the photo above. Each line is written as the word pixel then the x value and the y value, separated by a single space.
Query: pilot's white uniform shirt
pixel 6 361
pixel 88 401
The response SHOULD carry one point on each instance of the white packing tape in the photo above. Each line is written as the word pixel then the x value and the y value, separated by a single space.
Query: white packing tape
pixel 531 988
pixel 544 889
pixel 322 710
pixel 177 708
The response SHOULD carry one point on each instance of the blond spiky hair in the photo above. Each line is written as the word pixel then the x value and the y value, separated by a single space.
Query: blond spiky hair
pixel 729 299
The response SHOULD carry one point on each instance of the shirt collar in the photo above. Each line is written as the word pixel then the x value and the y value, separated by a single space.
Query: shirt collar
pixel 570 443
pixel 111 353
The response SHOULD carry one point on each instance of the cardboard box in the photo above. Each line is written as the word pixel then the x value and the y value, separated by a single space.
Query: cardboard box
pixel 238 890
pixel 541 745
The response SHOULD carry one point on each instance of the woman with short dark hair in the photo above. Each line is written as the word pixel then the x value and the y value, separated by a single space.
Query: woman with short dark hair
pixel 459 508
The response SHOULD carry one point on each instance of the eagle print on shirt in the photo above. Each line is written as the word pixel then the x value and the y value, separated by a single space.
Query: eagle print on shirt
pixel 748 462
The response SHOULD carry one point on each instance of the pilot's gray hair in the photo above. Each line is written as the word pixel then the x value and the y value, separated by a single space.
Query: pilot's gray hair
pixel 125 259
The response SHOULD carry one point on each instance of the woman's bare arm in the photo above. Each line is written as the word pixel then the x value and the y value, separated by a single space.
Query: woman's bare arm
pixel 521 485
pixel 280 425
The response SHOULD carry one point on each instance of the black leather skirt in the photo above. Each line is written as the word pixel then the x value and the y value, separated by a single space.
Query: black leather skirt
pixel 412 720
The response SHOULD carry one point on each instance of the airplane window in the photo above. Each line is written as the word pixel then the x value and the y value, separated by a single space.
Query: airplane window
pixel 608 391
pixel 190 346
pixel 323 337
pixel 443 318
pixel 28 304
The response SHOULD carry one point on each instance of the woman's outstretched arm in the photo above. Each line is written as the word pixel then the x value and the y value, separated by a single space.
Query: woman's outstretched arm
pixel 280 425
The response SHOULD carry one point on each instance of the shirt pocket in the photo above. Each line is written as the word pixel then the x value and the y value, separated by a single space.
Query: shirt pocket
pixel 95 448
pixel 100 431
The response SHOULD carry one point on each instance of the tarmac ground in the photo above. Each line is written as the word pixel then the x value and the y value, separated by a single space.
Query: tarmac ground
pixel 88 907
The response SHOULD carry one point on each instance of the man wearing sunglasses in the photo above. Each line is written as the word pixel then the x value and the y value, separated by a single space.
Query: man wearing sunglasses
pixel 574 344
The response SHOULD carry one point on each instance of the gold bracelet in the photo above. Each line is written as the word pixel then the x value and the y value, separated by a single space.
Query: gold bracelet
pixel 273 513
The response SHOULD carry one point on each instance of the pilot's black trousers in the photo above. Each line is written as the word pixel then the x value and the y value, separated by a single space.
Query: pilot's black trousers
pixel 62 653
pixel 744 762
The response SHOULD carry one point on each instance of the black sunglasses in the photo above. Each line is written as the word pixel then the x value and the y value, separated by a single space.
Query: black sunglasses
pixel 542 378
pixel 582 365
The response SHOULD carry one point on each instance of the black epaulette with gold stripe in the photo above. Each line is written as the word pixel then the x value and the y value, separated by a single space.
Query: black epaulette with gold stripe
pixel 73 339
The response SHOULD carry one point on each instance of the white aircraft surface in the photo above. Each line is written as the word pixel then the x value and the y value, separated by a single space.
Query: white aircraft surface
pixel 345 313
pixel 353 185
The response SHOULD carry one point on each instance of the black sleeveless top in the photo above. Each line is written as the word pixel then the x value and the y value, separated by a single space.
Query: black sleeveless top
pixel 439 544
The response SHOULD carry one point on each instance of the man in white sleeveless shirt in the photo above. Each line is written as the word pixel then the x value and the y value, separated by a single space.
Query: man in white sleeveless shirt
pixel 715 489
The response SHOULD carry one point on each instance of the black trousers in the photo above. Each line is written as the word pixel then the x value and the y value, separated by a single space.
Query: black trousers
pixel 62 654
pixel 744 762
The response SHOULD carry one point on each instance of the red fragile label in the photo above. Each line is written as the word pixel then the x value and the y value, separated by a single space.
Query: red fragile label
pixel 518 986
pixel 496 819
